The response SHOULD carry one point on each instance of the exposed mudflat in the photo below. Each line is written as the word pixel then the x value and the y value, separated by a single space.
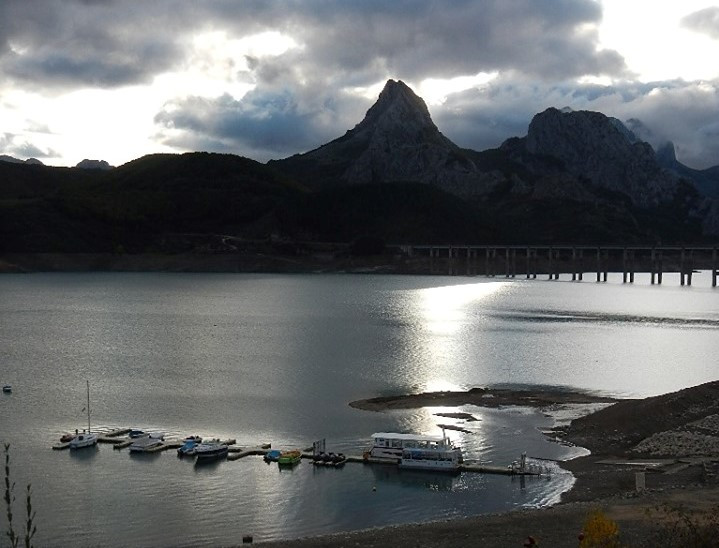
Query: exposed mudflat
pixel 483 397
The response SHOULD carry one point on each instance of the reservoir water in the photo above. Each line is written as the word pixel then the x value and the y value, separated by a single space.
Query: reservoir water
pixel 277 358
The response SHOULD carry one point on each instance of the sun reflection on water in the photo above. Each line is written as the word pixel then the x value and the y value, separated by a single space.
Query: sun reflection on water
pixel 444 308
pixel 445 317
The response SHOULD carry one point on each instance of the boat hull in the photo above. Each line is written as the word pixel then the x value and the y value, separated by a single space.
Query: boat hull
pixel 210 453
pixel 83 440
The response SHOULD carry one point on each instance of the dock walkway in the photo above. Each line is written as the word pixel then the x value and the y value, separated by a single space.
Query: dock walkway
pixel 119 440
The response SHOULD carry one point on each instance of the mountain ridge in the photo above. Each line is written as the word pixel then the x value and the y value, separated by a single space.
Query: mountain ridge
pixel 576 177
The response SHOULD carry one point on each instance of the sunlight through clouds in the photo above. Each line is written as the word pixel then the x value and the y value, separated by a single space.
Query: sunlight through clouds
pixel 435 90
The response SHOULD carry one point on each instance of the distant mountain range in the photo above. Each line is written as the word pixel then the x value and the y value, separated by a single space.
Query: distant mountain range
pixel 576 177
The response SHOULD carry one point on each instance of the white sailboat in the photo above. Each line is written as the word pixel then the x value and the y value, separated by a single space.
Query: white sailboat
pixel 85 439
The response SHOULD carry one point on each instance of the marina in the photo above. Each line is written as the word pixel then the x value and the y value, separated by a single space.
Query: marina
pixel 119 439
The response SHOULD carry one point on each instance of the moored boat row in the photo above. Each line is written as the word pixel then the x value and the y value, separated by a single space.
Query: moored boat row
pixel 409 451
pixel 329 459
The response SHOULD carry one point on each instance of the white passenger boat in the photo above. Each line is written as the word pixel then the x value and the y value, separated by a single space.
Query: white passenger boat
pixel 416 451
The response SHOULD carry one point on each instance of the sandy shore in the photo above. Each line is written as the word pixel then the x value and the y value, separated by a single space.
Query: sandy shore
pixel 673 439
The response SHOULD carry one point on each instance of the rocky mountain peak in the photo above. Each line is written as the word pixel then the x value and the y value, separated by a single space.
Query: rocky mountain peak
pixel 666 154
pixel 13 160
pixel 603 150
pixel 93 164
pixel 396 141
pixel 398 103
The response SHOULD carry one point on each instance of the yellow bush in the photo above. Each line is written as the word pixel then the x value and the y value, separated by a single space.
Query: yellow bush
pixel 599 532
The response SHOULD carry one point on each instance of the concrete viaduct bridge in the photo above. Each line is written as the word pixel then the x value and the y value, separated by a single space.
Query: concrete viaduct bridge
pixel 577 260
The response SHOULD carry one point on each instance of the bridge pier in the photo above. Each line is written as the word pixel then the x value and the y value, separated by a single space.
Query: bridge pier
pixel 577 264
pixel 681 267
pixel 628 265
pixel 714 267
pixel 574 264
pixel 624 265
pixel 531 263
pixel 656 266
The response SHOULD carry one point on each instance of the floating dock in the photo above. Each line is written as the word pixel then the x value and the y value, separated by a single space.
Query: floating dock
pixel 119 440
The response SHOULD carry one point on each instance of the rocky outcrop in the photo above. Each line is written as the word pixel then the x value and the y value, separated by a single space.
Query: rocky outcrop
pixel 12 160
pixel 602 150
pixel 93 164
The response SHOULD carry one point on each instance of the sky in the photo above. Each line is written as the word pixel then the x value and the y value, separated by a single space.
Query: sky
pixel 117 79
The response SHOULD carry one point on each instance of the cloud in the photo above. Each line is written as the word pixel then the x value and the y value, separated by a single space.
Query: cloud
pixel 74 44
pixel 686 113
pixel 17 146
pixel 307 94
pixel 704 21
pixel 109 43
pixel 263 125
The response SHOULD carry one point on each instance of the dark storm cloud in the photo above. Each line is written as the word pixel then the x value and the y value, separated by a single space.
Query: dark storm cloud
pixel 415 40
pixel 705 21
pixel 261 126
pixel 72 44
pixel 345 44
pixel 114 43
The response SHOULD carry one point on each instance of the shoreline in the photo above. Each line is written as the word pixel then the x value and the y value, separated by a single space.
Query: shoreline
pixel 677 475
pixel 317 258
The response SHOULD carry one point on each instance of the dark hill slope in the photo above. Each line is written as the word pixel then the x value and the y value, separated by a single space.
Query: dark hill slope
pixel 133 206
pixel 393 212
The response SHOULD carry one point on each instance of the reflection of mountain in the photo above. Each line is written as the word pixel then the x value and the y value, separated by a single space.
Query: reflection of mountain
pixel 414 478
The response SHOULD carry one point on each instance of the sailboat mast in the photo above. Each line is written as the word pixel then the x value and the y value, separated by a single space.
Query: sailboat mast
pixel 88 406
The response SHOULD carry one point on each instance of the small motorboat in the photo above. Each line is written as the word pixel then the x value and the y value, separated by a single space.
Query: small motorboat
pixel 289 458
pixel 65 438
pixel 196 439
pixel 272 456
pixel 329 459
pixel 145 444
pixel 7 388
pixel 187 448
pixel 136 433
pixel 211 451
